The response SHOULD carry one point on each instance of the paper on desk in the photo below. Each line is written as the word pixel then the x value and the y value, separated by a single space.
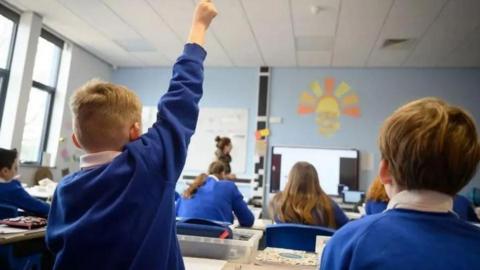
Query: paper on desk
pixel 203 264
pixel 4 229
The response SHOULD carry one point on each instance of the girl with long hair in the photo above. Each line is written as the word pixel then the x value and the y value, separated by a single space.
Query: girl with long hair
pixel 210 197
pixel 303 201
pixel 377 198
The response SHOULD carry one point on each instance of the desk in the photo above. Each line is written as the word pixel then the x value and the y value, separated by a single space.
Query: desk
pixel 257 266
pixel 353 215
pixel 192 263
pixel 40 192
pixel 9 238
pixel 259 224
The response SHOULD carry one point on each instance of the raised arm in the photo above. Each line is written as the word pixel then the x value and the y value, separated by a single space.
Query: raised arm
pixel 178 109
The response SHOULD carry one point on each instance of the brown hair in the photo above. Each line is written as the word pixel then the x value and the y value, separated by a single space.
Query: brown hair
pixel 431 145
pixel 222 142
pixel 376 191
pixel 216 168
pixel 7 158
pixel 102 115
pixel 303 200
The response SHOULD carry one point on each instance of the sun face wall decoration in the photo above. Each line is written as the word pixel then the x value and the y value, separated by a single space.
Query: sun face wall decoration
pixel 329 103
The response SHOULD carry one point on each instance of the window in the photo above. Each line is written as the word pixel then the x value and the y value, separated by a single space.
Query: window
pixel 8 29
pixel 40 103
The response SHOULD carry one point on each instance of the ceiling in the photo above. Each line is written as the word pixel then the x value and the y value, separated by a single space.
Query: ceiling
pixel 278 33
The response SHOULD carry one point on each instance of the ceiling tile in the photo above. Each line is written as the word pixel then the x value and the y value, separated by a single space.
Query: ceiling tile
pixel 452 27
pixel 408 19
pixel 358 29
pixel 232 30
pixel 307 23
pixel 273 30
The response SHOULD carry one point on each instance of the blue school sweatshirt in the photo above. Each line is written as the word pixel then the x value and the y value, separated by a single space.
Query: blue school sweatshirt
pixel 13 194
pixel 121 215
pixel 404 239
pixel 464 209
pixel 216 200
pixel 375 207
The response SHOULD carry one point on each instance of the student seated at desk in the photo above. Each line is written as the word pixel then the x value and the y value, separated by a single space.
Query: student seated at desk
pixel 303 201
pixel 12 194
pixel 118 211
pixel 377 198
pixel 377 201
pixel 430 151
pixel 210 197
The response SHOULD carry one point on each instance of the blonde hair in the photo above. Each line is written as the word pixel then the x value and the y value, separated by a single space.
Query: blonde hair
pixel 376 192
pixel 431 145
pixel 216 168
pixel 303 200
pixel 102 115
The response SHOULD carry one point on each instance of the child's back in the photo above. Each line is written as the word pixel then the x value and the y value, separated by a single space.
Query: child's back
pixel 117 212
pixel 216 200
pixel 430 151
pixel 406 239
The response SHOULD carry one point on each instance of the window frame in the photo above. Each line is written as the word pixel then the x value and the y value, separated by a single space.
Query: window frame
pixel 5 72
pixel 51 93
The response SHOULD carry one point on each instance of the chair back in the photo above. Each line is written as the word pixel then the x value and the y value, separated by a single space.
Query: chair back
pixel 295 236
pixel 204 227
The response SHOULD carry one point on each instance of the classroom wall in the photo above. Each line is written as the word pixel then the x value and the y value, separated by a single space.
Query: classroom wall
pixel 380 91
pixel 223 88
pixel 83 67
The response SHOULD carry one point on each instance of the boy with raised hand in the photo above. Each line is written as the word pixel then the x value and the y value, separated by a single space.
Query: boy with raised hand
pixel 118 211
pixel 430 151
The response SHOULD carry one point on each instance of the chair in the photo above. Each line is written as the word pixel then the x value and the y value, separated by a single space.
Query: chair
pixel 204 227
pixel 295 236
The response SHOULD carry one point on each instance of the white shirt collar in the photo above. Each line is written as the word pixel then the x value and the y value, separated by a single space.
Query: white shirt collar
pixel 97 159
pixel 3 180
pixel 422 200
pixel 214 177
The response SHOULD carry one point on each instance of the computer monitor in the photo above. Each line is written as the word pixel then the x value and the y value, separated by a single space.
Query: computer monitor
pixel 353 197
pixel 334 166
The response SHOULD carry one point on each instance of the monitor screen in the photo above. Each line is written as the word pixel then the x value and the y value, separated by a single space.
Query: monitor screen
pixel 353 196
pixel 334 166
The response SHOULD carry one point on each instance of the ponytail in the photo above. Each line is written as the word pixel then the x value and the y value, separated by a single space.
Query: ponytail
pixel 197 183
pixel 216 168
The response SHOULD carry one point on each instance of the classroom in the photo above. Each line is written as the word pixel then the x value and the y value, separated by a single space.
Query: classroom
pixel 239 134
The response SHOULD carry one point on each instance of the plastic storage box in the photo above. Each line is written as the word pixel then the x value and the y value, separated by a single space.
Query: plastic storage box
pixel 241 249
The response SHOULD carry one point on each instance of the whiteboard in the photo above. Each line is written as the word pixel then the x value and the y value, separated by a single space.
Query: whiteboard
pixel 212 122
